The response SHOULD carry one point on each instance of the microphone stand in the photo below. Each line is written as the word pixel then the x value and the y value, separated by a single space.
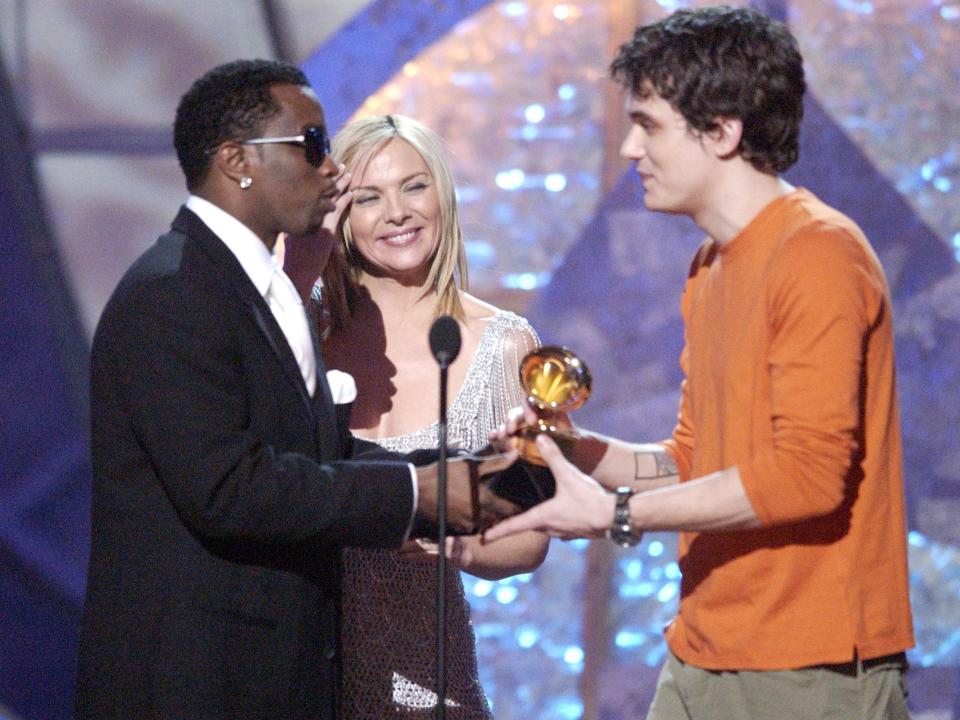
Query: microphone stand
pixel 445 346
pixel 442 556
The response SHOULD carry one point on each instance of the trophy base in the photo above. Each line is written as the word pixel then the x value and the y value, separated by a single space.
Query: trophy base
pixel 527 446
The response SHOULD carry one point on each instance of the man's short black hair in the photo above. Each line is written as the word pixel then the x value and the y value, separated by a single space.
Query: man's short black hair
pixel 231 101
pixel 722 62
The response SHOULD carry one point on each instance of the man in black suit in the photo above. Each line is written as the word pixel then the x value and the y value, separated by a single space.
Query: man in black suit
pixel 224 487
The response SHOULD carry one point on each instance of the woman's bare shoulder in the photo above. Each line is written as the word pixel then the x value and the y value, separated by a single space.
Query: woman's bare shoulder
pixel 477 310
pixel 479 314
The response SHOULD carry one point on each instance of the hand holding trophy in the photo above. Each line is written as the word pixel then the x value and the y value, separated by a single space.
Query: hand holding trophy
pixel 556 381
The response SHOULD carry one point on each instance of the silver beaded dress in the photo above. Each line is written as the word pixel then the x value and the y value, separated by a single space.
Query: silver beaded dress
pixel 389 606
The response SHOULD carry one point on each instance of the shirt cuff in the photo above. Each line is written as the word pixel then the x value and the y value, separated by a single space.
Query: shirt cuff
pixel 416 501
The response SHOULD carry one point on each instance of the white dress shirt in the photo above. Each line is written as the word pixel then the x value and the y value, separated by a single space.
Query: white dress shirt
pixel 261 267
pixel 268 277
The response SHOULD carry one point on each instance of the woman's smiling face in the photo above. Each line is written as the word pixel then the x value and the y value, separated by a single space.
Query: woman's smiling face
pixel 395 213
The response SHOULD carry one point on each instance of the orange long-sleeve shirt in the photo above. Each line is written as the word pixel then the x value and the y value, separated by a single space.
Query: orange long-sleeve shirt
pixel 789 371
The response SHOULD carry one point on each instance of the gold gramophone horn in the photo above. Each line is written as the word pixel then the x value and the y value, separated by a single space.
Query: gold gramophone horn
pixel 554 379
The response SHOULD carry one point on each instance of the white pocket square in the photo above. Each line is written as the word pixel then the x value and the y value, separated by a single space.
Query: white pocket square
pixel 342 386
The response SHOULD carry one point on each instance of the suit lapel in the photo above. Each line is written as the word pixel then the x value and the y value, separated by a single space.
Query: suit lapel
pixel 323 402
pixel 234 278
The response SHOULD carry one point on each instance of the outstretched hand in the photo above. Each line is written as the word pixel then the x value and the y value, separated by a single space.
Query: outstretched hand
pixel 580 507
pixel 524 416
pixel 522 424
pixel 471 505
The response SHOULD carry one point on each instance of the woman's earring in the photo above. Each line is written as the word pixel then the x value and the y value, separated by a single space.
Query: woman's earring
pixel 245 182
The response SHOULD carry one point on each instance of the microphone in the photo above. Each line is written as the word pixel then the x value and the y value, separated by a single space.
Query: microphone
pixel 445 346
pixel 445 340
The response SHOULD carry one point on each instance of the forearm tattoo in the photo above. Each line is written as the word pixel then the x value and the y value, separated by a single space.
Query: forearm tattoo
pixel 665 465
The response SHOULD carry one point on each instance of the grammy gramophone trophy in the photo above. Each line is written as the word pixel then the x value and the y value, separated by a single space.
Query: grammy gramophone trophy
pixel 555 380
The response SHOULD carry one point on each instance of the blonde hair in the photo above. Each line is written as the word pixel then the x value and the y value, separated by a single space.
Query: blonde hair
pixel 354 146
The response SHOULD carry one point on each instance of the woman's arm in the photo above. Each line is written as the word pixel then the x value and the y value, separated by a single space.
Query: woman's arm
pixel 514 555
pixel 524 552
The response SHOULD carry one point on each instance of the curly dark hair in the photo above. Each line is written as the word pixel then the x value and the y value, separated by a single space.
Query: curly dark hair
pixel 231 101
pixel 723 62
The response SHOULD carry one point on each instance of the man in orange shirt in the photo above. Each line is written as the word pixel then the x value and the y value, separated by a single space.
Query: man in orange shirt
pixel 784 472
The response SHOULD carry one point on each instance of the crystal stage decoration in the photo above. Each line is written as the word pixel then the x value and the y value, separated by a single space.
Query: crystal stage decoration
pixel 516 89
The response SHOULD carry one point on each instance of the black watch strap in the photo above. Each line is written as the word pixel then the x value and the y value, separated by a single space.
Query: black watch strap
pixel 621 532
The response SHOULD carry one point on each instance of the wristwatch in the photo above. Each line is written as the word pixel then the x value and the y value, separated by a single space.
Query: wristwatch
pixel 622 532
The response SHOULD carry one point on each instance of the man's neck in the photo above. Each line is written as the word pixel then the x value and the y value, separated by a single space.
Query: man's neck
pixel 739 198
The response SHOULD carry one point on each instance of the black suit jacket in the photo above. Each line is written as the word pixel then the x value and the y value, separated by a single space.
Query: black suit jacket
pixel 222 496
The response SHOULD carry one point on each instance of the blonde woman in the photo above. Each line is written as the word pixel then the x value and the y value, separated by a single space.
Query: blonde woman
pixel 398 263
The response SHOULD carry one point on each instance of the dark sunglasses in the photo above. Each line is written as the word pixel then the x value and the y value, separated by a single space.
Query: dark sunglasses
pixel 314 141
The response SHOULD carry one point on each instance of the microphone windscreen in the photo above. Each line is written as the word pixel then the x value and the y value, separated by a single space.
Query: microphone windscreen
pixel 445 339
